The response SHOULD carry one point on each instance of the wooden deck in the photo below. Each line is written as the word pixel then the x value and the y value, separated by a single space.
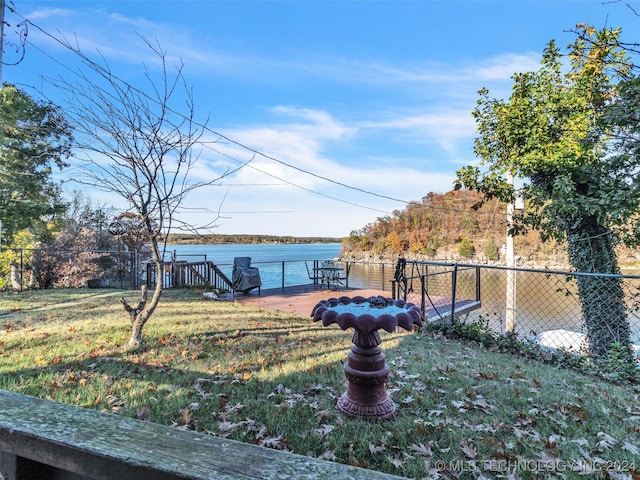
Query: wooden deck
pixel 442 308
pixel 301 299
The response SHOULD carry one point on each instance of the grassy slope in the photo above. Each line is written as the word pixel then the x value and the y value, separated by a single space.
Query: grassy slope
pixel 271 378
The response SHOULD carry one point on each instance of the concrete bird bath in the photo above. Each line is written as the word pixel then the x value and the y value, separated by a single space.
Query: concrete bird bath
pixel 366 370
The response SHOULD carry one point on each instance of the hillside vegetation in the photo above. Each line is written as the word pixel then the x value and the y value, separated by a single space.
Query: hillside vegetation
pixel 445 226
pixel 448 227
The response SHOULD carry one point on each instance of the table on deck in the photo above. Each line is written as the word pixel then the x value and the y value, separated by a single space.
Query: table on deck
pixel 330 274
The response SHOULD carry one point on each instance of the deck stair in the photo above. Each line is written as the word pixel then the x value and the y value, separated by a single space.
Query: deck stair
pixel 180 274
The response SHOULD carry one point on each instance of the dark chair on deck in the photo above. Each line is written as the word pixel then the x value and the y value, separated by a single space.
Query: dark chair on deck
pixel 314 274
pixel 244 276
pixel 343 276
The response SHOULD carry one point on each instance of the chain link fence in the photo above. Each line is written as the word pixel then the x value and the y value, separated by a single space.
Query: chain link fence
pixel 539 305
pixel 24 268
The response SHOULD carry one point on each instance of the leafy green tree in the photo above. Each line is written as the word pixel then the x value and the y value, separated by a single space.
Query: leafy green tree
pixel 490 250
pixel 551 133
pixel 34 137
pixel 465 248
pixel 622 117
pixel 17 260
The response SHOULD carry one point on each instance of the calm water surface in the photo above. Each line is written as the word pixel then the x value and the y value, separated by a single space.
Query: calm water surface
pixel 270 258
pixel 543 301
pixel 270 252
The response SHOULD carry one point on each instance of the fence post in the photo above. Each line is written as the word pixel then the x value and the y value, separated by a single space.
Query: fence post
pixel 510 304
pixel 346 285
pixel 423 284
pixel 136 269
pixel 454 281
pixel 21 268
pixel 426 278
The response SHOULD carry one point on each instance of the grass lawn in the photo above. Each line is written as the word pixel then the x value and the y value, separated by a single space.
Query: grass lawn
pixel 272 379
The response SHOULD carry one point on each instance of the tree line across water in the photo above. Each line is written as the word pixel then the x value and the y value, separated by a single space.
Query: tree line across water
pixel 215 239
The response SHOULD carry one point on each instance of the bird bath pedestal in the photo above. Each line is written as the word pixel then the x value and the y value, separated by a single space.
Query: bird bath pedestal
pixel 366 370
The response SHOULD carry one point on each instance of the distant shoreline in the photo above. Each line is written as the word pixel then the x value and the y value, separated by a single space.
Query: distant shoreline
pixel 247 239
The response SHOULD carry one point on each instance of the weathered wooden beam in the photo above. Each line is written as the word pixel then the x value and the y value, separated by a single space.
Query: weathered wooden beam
pixel 103 446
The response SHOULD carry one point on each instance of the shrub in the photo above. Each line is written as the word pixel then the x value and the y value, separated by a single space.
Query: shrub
pixel 465 248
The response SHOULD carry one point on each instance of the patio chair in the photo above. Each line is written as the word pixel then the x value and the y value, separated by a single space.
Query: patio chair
pixel 314 274
pixel 343 276
pixel 245 277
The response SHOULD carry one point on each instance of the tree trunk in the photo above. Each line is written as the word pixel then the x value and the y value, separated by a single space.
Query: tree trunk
pixel 16 280
pixel 591 250
pixel 143 311
pixel 135 341
pixel 139 317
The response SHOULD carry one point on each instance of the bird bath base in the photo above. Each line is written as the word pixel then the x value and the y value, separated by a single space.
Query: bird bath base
pixel 366 370
pixel 366 395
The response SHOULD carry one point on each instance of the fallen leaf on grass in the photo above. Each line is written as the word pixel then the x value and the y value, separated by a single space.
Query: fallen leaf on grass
pixel 328 455
pixel 362 463
pixel 605 442
pixel 487 376
pixel 313 389
pixel 422 449
pixel 143 413
pixel 376 449
pixel 460 405
pixel 407 400
pixel 277 443
pixel 469 449
pixel 226 428
pixel 198 386
pixel 396 461
pixel 186 417
pixel 631 448
pixel 323 430
pixel 323 414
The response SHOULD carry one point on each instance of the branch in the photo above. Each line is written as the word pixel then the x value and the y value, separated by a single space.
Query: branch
pixel 133 311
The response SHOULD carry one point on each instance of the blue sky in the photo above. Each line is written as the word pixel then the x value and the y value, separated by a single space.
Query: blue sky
pixel 357 106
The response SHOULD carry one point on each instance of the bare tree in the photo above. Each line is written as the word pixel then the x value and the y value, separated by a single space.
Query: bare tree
pixel 135 144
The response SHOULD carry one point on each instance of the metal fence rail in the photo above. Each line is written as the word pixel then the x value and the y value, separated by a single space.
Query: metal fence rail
pixel 25 268
pixel 282 274
pixel 532 303
pixel 541 305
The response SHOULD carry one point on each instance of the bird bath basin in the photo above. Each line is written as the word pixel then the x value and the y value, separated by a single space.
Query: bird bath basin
pixel 366 369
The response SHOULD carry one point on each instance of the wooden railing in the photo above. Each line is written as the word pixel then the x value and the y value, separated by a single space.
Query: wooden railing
pixel 189 274
pixel 41 439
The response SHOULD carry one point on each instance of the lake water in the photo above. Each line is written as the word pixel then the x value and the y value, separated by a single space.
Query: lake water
pixel 544 301
pixel 264 252
pixel 278 262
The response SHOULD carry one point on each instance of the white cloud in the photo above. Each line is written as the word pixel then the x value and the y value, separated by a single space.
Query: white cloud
pixel 47 13
pixel 307 192
pixel 442 126
pixel 402 141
